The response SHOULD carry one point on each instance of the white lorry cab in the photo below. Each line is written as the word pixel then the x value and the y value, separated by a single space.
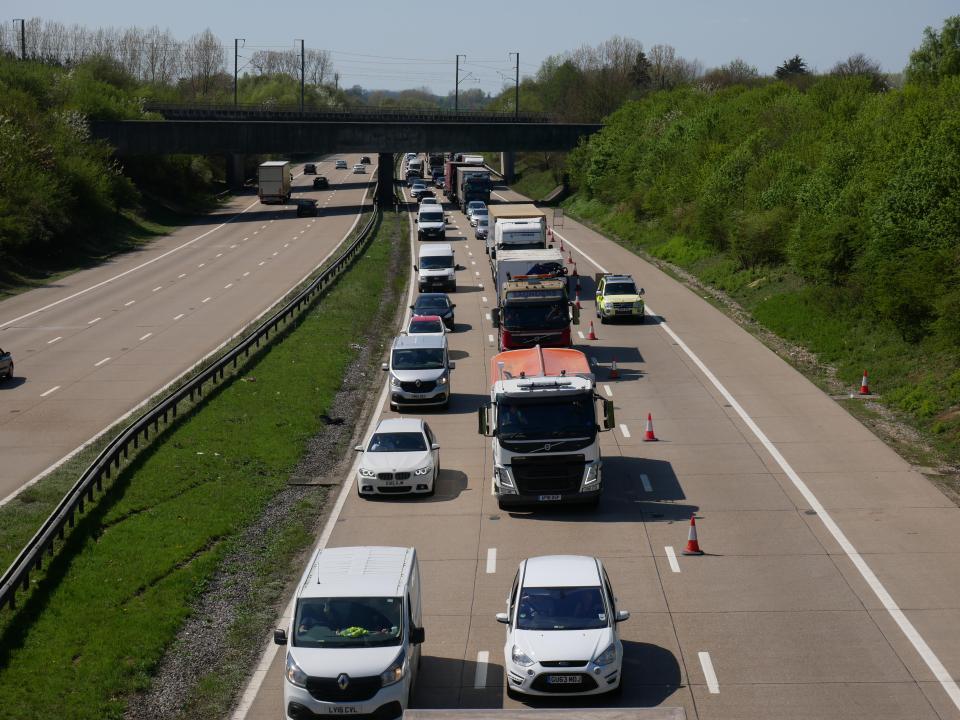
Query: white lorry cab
pixel 353 642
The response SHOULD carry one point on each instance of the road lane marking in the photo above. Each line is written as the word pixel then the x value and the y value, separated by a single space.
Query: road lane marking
pixel 181 276
pixel 477 273
pixel 206 300
pixel 286 244
pixel 129 303
pixel 488 316
pixel 608 391
pixel 473 262
pixel 50 391
pixel 144 337
pixel 246 274
pixel 158 287
pixel 277 253
pixel 480 678
pixel 491 560
pixel 672 558
pixel 245 239
pixel 256 232
pixel 98 364
pixel 483 299
pixel 94 321
pixel 500 196
pixel 645 481
pixel 233 247
pixel 219 254
pixel 261 263
pixel 489 338
pixel 933 662
pixel 228 286
pixel 178 316
pixel 580 333
pixel 708 672
pixel 624 431
pixel 58 338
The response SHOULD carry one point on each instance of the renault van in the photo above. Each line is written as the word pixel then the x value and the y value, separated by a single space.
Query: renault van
pixel 353 642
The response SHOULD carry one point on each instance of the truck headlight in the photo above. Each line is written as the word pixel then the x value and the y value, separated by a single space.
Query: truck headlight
pixel 520 657
pixel 502 476
pixel 607 656
pixel 295 676
pixel 395 672
pixel 367 473
pixel 593 474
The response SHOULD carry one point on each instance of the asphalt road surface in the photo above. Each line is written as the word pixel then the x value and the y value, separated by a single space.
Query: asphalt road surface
pixel 92 346
pixel 831 581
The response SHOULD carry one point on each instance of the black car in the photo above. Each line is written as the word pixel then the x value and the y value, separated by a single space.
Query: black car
pixel 306 207
pixel 435 304
pixel 365 160
pixel 320 183
pixel 309 169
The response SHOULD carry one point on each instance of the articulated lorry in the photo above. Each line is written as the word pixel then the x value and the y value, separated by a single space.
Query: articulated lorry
pixel 544 419
pixel 273 182
pixel 435 164
pixel 520 226
pixel 472 183
pixel 534 310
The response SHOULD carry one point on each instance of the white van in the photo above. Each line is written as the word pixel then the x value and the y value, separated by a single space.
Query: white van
pixel 353 643
pixel 436 269
pixel 431 222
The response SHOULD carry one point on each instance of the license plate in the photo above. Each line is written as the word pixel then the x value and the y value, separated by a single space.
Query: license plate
pixel 341 710
pixel 391 483
pixel 549 498
pixel 418 395
pixel 564 680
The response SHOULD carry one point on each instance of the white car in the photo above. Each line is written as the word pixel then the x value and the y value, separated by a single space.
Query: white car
pixel 402 457
pixel 478 214
pixel 359 169
pixel 428 201
pixel 562 628
pixel 473 205
pixel 340 165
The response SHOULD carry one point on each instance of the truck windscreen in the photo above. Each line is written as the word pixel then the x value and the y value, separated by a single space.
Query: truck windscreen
pixel 568 417
pixel 539 316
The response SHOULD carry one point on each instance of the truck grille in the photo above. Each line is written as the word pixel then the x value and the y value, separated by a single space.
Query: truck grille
pixel 549 474
pixel 422 387
pixel 358 689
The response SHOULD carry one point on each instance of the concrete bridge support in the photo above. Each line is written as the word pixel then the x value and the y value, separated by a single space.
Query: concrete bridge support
pixel 385 178
pixel 507 162
pixel 235 163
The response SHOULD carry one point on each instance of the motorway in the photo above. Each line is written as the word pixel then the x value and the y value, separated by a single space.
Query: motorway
pixel 831 583
pixel 96 344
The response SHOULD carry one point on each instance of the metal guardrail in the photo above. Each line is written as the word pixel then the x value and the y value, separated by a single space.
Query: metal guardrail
pixel 17 576
pixel 186 111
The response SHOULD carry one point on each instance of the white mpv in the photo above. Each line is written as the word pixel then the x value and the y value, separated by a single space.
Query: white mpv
pixel 562 628
pixel 353 643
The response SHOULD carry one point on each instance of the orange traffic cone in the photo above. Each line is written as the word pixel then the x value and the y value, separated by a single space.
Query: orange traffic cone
pixel 575 273
pixel 693 547
pixel 614 372
pixel 570 258
pixel 591 335
pixel 550 233
pixel 561 244
pixel 648 436
pixel 577 302
pixel 864 388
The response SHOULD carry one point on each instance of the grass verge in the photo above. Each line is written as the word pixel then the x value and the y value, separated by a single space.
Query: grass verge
pixel 99 618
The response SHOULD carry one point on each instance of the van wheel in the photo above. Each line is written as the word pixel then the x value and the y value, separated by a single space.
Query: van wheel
pixel 394 407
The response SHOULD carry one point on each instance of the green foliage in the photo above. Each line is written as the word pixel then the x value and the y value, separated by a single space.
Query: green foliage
pixel 938 56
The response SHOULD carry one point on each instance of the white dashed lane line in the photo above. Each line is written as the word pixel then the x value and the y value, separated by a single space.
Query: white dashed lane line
pixel 105 360
pixel 672 558
pixel 233 247
pixel 159 287
pixel 94 321
pixel 58 338
pixel 480 678
pixel 50 391
pixel 624 431
pixel 228 286
pixel 490 338
pixel 483 299
pixel 491 560
pixel 219 255
pixel 261 263
pixel 129 303
pixel 145 337
pixel 246 274
pixel 181 276
pixel 580 333
pixel 177 317
pixel 712 685
pixel 608 391
pixel 206 300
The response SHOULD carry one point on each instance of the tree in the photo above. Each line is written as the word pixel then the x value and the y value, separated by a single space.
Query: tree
pixel 938 55
pixel 203 60
pixel 859 65
pixel 640 72
pixel 792 67
pixel 735 72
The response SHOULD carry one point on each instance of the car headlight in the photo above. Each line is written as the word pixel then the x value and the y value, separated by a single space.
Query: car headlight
pixel 593 474
pixel 367 473
pixel 395 672
pixel 520 657
pixel 394 381
pixel 295 676
pixel 607 656
pixel 423 471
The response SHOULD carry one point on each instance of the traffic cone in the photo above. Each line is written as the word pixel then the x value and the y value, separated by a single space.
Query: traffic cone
pixel 648 436
pixel 561 244
pixel 575 273
pixel 693 547
pixel 570 258
pixel 577 303
pixel 591 335
pixel 864 388
pixel 578 283
pixel 550 233
pixel 614 372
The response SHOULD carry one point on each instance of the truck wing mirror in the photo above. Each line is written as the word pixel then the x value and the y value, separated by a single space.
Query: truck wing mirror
pixel 460 267
pixel 280 637
pixel 609 419
pixel 622 615
pixel 576 314
pixel 483 419
pixel 495 317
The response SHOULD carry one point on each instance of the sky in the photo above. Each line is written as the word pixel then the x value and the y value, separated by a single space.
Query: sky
pixel 395 45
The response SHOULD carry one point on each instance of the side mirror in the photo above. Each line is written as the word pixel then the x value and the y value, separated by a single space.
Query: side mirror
pixel 453 305
pixel 418 270
pixel 503 618
pixel 416 220
pixel 622 615
pixel 609 419
pixel 495 317
pixel 459 267
pixel 483 419
pixel 384 367
pixel 642 291
pixel 435 446
pixel 358 448
pixel 576 315
pixel 417 636
pixel 452 365
pixel 280 637
pixel 493 253
pixel 411 307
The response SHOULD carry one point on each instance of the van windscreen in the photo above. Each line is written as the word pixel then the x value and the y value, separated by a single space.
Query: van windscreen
pixel 431 217
pixel 345 622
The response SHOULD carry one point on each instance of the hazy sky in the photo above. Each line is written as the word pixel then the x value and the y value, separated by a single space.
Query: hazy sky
pixel 394 45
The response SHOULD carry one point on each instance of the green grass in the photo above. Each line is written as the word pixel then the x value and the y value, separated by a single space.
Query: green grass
pixel 98 620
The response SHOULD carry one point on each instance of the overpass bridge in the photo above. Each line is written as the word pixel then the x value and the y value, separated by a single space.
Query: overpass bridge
pixel 238 131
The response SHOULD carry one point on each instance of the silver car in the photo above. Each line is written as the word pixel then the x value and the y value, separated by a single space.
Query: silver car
pixel 419 368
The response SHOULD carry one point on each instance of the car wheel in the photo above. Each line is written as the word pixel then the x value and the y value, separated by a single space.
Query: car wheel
pixel 603 320
pixel 642 319
pixel 593 503
pixel 513 694
pixel 10 372
pixel 618 690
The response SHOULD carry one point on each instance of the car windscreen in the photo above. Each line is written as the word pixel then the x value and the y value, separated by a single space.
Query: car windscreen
pixel 481 212
pixel 436 262
pixel 561 608
pixel 431 303
pixel 431 217
pixel 569 417
pixel 346 622
pixel 425 326
pixel 418 359
pixel 620 288
pixel 397 442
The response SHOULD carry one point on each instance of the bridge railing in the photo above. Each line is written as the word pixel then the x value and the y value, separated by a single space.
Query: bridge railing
pixel 17 576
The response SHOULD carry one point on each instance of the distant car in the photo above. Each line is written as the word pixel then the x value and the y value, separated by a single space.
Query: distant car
pixel 365 160
pixel 414 177
pixel 340 165
pixel 618 298
pixel 435 304
pixel 426 194
pixel 483 228
pixel 426 325
pixel 309 169
pixel 307 207
pixel 477 214
pixel 359 169
pixel 6 365
pixel 402 456
pixel 474 205
pixel 440 183
pixel 424 200
pixel 320 183
pixel 418 189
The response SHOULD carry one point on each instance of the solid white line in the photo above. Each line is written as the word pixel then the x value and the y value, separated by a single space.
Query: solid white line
pixel 483 299
pixel 488 316
pixel 580 333
pixel 489 338
pixel 480 679
pixel 501 197
pixel 56 339
pixel 179 316
pixel 672 558
pixel 50 391
pixel 645 481
pixel 95 320
pixel 129 303
pixel 145 337
pixel 98 364
pixel 624 431
pixel 491 560
pixel 158 287
pixel 608 391
pixel 206 300
pixel 708 672
pixel 933 662
pixel 124 273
